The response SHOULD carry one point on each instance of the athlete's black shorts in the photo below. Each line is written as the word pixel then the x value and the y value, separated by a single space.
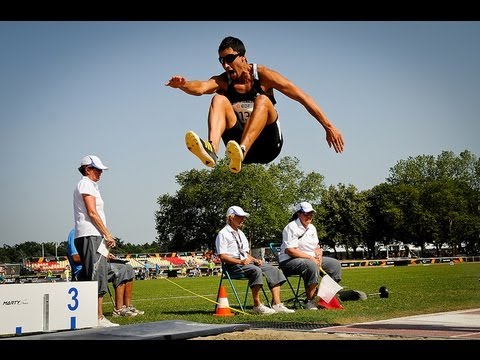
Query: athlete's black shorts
pixel 265 149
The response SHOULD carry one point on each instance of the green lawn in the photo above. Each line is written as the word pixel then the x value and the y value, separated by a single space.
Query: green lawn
pixel 413 290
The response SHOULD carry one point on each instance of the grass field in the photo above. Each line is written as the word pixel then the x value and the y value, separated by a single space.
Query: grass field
pixel 413 290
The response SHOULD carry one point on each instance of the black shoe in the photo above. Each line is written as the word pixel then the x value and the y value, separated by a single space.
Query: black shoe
pixel 201 149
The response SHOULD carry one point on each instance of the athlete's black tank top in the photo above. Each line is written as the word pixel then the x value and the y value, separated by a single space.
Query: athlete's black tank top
pixel 256 89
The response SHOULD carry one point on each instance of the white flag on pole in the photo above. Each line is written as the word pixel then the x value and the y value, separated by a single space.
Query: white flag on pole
pixel 328 288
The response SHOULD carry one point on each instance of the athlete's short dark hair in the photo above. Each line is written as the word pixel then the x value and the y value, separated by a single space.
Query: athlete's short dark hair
pixel 234 43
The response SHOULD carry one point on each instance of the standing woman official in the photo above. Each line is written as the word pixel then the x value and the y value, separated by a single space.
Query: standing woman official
pixel 91 228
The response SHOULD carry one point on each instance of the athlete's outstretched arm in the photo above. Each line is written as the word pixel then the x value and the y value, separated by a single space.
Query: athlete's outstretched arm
pixel 275 80
pixel 194 87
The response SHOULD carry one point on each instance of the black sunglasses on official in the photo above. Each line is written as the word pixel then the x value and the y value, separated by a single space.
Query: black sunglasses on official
pixel 228 58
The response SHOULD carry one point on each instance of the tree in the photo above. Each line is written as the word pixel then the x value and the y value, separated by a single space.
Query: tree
pixel 425 168
pixel 7 254
pixel 450 203
pixel 445 193
pixel 384 217
pixel 344 218
pixel 191 219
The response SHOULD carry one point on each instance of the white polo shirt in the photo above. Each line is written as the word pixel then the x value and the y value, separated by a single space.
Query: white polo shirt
pixel 226 243
pixel 294 235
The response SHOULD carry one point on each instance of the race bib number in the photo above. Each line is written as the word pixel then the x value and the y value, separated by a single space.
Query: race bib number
pixel 243 109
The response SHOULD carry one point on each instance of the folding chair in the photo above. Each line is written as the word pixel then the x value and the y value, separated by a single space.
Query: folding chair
pixel 231 278
pixel 297 295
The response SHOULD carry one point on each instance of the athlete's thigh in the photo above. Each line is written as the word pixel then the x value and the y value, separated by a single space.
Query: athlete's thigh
pixel 261 103
pixel 221 106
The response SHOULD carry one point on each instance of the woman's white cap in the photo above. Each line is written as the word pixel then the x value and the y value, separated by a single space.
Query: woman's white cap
pixel 92 160
pixel 305 207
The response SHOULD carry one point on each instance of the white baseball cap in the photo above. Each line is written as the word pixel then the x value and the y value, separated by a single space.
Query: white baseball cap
pixel 305 207
pixel 92 160
pixel 236 210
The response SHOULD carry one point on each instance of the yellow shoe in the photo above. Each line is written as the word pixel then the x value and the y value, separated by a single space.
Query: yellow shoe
pixel 201 149
pixel 235 154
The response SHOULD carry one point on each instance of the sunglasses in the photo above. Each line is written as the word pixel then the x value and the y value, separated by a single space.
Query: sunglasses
pixel 228 58
pixel 94 168
pixel 308 214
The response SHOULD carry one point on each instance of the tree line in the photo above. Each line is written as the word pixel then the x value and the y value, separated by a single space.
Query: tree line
pixel 424 200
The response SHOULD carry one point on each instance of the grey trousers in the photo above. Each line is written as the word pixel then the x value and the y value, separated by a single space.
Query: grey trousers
pixel 254 273
pixel 309 271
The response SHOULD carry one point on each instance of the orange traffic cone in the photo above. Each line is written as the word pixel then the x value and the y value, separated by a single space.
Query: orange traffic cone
pixel 333 304
pixel 222 308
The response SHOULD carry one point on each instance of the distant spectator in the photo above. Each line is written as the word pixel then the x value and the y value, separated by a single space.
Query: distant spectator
pixel 211 266
pixel 183 271
pixel 198 272
pixel 50 277
pixel 67 273
pixel 147 270
pixel 2 275
pixel 141 274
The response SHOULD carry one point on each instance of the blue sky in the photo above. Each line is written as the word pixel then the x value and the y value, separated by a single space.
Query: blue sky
pixel 68 89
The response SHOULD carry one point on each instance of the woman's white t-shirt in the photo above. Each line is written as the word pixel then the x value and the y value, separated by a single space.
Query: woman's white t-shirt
pixel 83 224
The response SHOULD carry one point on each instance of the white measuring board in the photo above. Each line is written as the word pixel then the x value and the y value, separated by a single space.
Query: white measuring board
pixel 42 307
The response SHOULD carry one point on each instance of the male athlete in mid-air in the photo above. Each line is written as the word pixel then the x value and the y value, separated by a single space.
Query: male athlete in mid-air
pixel 242 112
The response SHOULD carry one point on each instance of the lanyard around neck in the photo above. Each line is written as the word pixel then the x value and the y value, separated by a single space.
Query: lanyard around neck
pixel 303 233
pixel 236 236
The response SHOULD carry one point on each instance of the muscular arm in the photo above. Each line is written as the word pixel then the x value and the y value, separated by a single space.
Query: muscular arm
pixel 197 87
pixel 271 79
